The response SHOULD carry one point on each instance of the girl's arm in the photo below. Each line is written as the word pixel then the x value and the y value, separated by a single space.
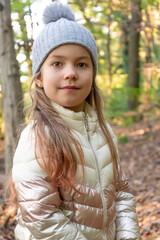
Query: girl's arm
pixel 38 199
pixel 127 227
pixel 126 220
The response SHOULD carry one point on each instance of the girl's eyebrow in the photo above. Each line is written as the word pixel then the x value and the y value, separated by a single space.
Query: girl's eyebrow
pixel 63 57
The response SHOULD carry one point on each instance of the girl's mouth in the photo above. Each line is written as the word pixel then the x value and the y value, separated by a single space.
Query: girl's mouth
pixel 69 88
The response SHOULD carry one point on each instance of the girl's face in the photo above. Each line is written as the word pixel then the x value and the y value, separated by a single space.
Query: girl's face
pixel 67 75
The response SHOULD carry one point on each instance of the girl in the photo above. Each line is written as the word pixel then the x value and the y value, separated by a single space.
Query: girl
pixel 66 172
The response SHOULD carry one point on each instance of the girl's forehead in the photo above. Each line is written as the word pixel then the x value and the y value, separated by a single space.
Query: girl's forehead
pixel 70 49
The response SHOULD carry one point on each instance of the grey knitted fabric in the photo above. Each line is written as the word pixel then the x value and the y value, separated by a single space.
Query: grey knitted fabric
pixel 60 28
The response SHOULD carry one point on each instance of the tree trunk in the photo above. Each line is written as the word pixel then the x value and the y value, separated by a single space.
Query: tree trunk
pixel 11 87
pixel 27 42
pixel 125 43
pixel 109 62
pixel 133 73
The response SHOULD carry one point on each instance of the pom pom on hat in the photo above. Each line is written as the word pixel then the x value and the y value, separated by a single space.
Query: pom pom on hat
pixel 56 11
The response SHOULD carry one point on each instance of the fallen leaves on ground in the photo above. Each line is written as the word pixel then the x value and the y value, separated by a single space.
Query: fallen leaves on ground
pixel 7 221
pixel 140 158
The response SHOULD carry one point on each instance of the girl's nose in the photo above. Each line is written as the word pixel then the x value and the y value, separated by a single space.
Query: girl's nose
pixel 70 73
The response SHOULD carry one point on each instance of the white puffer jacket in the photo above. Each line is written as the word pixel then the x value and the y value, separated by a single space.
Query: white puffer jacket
pixel 48 213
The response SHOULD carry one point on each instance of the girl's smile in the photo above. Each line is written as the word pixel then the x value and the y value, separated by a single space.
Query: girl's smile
pixel 70 88
pixel 67 75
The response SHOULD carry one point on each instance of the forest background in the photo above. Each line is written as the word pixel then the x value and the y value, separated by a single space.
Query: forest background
pixel 128 40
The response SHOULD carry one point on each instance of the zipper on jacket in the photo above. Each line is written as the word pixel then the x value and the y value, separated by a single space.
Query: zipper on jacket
pixel 99 178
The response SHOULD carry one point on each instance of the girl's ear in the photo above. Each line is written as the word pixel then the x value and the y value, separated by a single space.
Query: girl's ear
pixel 39 81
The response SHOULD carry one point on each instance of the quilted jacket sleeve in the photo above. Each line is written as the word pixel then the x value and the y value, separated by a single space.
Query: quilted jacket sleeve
pixel 127 227
pixel 126 220
pixel 38 199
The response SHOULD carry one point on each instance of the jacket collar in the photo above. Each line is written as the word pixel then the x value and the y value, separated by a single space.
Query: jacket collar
pixel 76 120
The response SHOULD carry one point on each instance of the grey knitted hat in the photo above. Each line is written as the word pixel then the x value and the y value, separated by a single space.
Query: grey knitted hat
pixel 60 28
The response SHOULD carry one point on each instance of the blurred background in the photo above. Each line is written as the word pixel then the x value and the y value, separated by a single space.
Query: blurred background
pixel 128 40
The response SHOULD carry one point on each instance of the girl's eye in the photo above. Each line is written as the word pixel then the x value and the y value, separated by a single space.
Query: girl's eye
pixel 82 65
pixel 57 64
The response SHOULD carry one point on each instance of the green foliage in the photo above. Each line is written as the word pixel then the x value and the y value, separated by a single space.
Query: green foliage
pixel 127 121
pixel 123 139
pixel 116 103
pixel 146 3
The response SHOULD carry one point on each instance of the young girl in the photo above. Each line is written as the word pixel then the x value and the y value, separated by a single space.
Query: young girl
pixel 66 172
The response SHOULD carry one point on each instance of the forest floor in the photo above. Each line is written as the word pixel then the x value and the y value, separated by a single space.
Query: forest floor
pixel 140 158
